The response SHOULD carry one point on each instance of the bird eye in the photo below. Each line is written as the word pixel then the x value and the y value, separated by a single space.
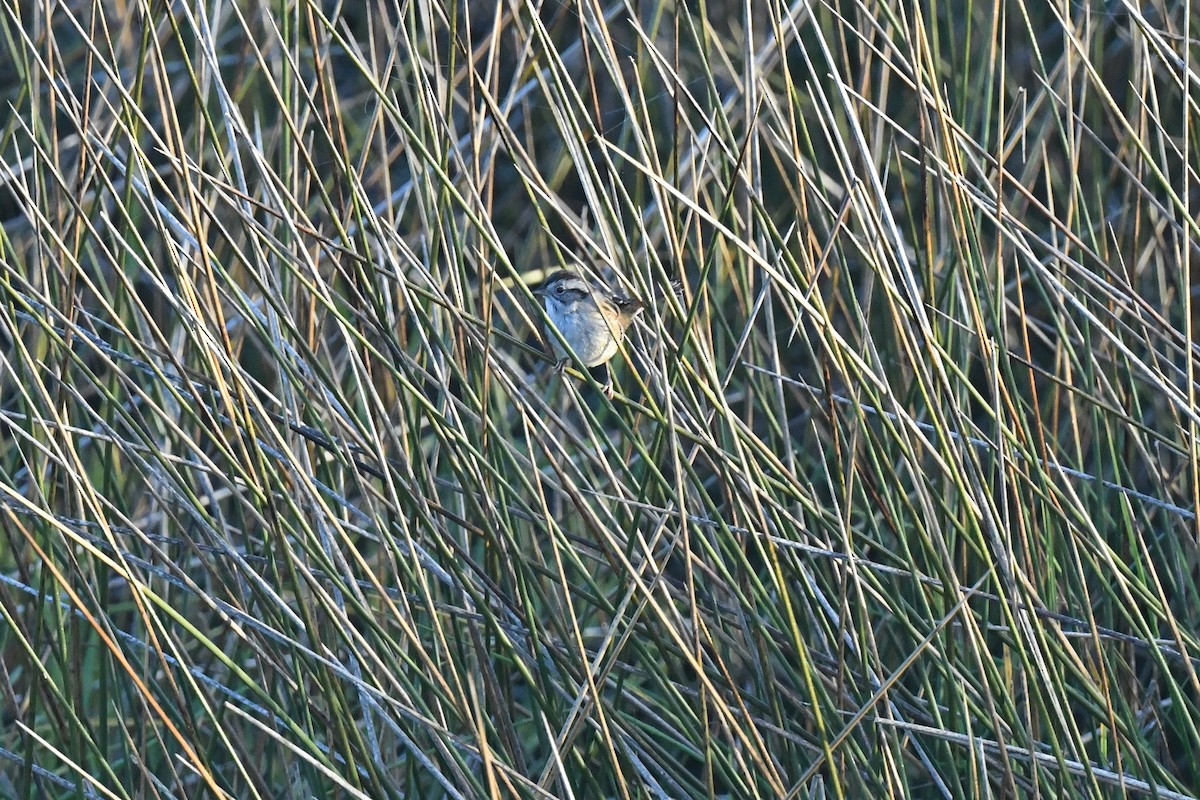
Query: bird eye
pixel 559 289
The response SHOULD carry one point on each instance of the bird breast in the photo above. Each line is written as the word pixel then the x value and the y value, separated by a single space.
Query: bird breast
pixel 585 329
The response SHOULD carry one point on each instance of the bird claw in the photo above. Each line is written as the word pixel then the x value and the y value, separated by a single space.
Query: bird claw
pixel 606 386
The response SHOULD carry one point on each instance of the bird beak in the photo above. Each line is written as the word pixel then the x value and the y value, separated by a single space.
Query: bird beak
pixel 539 292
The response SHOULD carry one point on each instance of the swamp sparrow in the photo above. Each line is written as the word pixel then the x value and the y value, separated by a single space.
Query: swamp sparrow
pixel 591 320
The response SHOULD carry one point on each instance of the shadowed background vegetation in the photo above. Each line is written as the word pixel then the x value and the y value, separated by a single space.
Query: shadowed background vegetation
pixel 895 499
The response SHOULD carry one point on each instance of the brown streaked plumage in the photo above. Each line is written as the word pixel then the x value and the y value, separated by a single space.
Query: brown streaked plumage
pixel 589 319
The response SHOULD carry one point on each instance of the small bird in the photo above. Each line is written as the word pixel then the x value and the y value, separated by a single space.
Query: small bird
pixel 592 321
